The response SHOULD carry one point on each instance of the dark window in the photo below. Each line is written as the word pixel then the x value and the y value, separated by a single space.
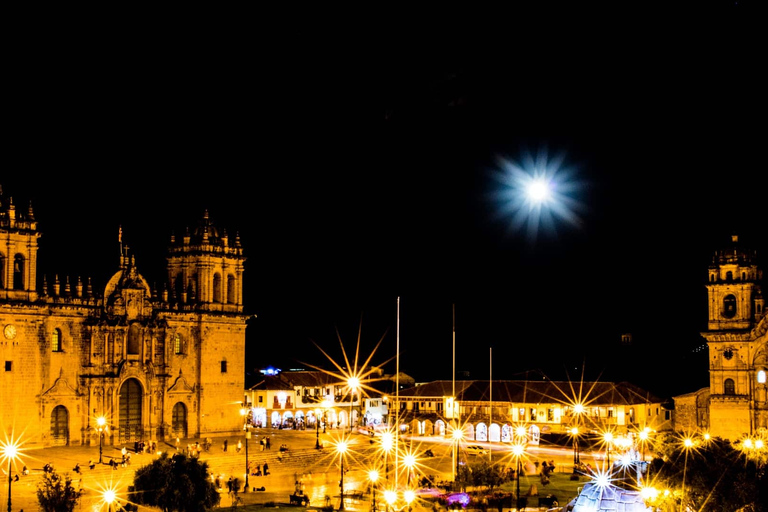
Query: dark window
pixel 8 365
pixel 729 306
pixel 134 339
pixel 18 272
pixel 223 367
pixel 729 388
pixel 231 289
pixel 217 291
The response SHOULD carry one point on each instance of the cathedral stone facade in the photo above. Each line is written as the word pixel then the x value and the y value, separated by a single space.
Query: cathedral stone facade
pixel 738 346
pixel 156 364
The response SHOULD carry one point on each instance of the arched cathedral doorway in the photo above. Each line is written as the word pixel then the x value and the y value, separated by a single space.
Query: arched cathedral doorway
pixel 179 421
pixel 130 411
pixel 60 426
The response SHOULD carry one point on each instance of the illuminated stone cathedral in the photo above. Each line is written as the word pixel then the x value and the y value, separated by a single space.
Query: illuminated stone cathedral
pixel 156 364
pixel 738 346
pixel 735 405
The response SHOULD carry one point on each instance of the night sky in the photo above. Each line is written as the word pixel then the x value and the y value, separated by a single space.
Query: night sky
pixel 354 182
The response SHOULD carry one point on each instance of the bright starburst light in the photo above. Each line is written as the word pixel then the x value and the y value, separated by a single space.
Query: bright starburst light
pixel 537 192
pixel 356 375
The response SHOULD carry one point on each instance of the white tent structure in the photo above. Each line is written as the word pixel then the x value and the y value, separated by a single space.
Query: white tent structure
pixel 598 498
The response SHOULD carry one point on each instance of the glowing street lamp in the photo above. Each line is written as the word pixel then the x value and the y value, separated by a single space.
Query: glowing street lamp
pixel 387 442
pixel 409 461
pixel 243 413
pixel 688 445
pixel 10 452
pixel 575 434
pixel 373 476
pixel 608 439
pixel 518 451
pixel 644 435
pixel 341 447
pixel 101 425
pixel 109 497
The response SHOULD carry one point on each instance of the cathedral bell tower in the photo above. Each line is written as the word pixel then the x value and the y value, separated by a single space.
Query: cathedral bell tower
pixel 205 269
pixel 736 337
pixel 18 252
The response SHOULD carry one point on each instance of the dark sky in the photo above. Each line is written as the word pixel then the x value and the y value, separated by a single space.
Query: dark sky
pixel 353 181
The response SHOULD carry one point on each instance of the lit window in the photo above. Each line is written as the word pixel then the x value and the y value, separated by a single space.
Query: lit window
pixel 761 377
pixel 177 344
pixel 56 340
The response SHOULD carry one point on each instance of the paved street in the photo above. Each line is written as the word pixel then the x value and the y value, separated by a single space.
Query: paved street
pixel 316 470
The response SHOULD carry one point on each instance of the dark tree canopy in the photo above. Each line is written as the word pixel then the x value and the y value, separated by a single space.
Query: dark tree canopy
pixel 711 475
pixel 175 484
pixel 55 493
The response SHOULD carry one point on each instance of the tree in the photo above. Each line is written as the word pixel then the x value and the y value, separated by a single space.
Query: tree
pixel 175 484
pixel 55 493
pixel 708 475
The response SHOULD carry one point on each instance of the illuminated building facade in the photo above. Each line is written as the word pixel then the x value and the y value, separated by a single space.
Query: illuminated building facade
pixel 157 365
pixel 541 406
pixel 298 397
pixel 738 346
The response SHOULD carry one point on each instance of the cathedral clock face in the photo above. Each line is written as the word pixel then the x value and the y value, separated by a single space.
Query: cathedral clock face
pixel 9 331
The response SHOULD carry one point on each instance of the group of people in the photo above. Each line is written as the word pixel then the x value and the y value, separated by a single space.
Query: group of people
pixel 256 469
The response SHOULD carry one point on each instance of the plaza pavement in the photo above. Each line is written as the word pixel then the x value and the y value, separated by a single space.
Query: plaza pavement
pixel 317 471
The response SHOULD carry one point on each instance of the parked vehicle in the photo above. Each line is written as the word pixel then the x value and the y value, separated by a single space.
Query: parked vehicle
pixel 476 449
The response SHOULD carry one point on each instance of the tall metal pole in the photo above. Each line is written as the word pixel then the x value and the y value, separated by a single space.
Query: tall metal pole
pixel 10 481
pixel 518 482
pixel 317 432
pixel 101 440
pixel 341 483
pixel 247 468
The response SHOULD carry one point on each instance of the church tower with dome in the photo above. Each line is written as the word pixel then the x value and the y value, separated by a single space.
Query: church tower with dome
pixel 738 345
pixel 156 365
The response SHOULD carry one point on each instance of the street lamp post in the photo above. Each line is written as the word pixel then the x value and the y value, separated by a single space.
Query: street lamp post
pixel 373 476
pixel 101 423
pixel 10 451
pixel 608 438
pixel 644 439
pixel 386 445
pixel 317 429
pixel 518 450
pixel 109 497
pixel 341 447
pixel 243 413
pixel 575 434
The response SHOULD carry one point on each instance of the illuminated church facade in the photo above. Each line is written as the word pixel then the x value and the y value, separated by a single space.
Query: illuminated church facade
pixel 735 405
pixel 738 346
pixel 156 365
